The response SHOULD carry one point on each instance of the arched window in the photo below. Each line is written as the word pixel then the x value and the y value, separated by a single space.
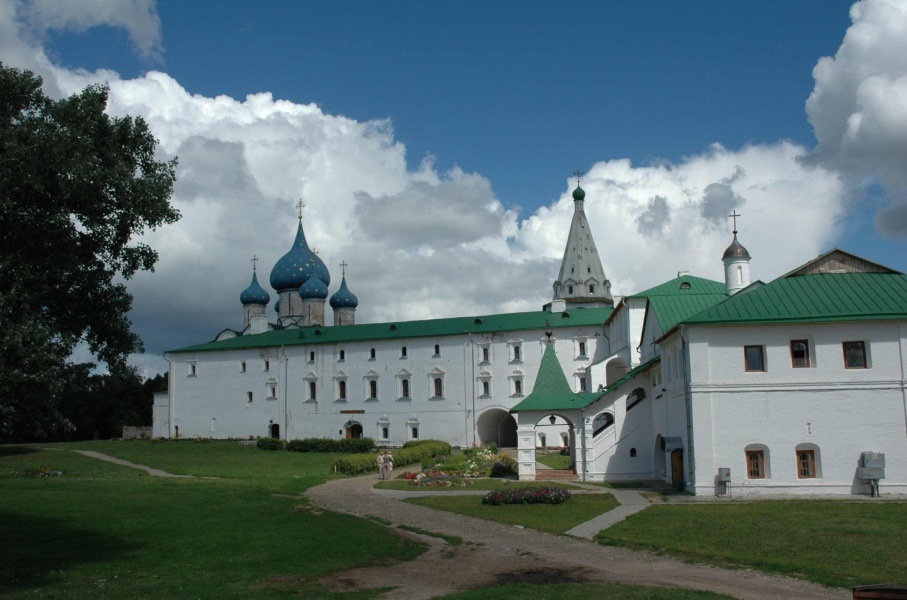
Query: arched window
pixel 635 397
pixel 311 356
pixel 403 352
pixel 517 387
pixel 632 452
pixel 809 465
pixel 757 461
pixel 312 390
pixel 414 432
pixel 385 433
pixel 602 422
pixel 343 355
pixel 542 440
pixel 371 354
pixel 249 397
pixel 373 389
pixel 341 390
pixel 439 386
pixel 437 350
pixel 485 354
pixel 404 388
pixel 486 388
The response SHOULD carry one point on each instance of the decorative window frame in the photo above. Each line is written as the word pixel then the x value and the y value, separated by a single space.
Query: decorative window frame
pixel 191 368
pixel 436 373
pixel 517 376
pixel 581 347
pixel 406 376
pixel 340 377
pixel 413 428
pixel 272 389
pixel 309 379
pixel 484 353
pixel 370 378
pixel 484 380
pixel 384 422
pixel 515 351
pixel 581 378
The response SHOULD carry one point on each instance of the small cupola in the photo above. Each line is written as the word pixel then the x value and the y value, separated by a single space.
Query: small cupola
pixel 736 261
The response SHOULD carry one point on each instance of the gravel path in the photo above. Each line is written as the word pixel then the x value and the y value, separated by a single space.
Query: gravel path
pixel 126 463
pixel 494 552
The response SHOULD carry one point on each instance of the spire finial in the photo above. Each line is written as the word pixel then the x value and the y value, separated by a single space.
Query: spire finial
pixel 343 266
pixel 254 263
pixel 299 206
pixel 578 174
pixel 548 332
pixel 734 216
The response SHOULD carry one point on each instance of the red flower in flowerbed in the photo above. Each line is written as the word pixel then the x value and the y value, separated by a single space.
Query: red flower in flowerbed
pixel 527 495
pixel 408 476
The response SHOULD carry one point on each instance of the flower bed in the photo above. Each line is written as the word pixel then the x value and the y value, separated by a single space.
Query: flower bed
pixel 527 495
pixel 435 478
pixel 456 470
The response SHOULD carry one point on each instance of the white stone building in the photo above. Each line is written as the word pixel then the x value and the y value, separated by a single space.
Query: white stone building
pixel 786 384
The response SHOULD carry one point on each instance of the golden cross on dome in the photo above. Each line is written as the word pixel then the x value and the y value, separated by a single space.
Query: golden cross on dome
pixel 734 216
pixel 343 266
pixel 254 262
pixel 578 174
pixel 299 206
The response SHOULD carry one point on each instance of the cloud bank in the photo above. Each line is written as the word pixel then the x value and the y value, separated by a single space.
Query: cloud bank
pixel 422 243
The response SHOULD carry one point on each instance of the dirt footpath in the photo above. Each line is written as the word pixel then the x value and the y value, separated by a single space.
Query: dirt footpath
pixel 493 553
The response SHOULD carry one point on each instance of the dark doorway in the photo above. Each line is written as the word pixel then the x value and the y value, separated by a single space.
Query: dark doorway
pixel 677 469
pixel 274 430
pixel 353 431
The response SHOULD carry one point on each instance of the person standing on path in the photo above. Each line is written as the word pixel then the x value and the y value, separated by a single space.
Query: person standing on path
pixel 381 465
pixel 388 465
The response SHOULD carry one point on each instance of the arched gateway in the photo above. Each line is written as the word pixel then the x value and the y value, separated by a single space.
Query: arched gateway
pixel 497 426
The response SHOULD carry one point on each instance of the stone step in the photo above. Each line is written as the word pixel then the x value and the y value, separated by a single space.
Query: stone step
pixel 547 474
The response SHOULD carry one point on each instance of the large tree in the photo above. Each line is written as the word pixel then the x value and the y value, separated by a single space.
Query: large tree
pixel 76 188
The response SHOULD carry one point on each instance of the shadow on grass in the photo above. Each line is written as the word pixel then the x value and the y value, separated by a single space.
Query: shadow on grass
pixel 36 550
pixel 16 450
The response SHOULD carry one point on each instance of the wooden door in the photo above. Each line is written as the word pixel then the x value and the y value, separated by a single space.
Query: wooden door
pixel 677 469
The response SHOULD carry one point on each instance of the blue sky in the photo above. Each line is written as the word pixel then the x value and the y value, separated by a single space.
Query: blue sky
pixel 433 142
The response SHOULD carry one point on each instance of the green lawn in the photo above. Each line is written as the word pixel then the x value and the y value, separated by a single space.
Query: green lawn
pixel 831 542
pixel 477 485
pixel 105 531
pixel 544 517
pixel 554 460
pixel 581 591
pixel 617 485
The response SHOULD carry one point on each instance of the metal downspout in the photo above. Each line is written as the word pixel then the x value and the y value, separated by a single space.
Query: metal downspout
pixel 169 396
pixel 688 398
pixel 473 384
pixel 903 382
pixel 583 440
pixel 286 391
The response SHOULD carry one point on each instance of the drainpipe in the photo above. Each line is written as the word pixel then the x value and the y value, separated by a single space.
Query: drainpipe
pixel 688 398
pixel 903 382
pixel 583 440
pixel 472 383
pixel 170 382
pixel 286 385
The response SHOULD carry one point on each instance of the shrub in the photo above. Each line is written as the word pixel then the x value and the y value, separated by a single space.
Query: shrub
pixel 330 445
pixel 269 444
pixel 354 464
pixel 503 466
pixel 527 495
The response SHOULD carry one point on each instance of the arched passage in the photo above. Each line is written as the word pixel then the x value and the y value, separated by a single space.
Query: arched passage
pixel 616 368
pixel 353 430
pixel 557 426
pixel 497 426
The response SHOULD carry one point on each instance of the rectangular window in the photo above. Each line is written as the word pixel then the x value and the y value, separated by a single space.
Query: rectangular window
pixel 799 354
pixel 404 388
pixel 341 390
pixel 342 355
pixel 437 350
pixel 854 355
pixel 516 352
pixel 753 358
pixel 582 384
pixel 371 354
pixel 415 433
pixel 273 390
pixel 373 389
pixel 312 356
pixel 486 388
pixel 517 387
pixel 403 352
pixel 484 354
pixel 806 464
pixel 242 367
pixel 439 387
pixel 582 348
pixel 193 369
pixel 755 464
pixel 267 365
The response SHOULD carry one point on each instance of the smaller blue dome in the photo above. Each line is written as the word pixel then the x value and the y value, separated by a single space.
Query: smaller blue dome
pixel 344 298
pixel 313 288
pixel 254 294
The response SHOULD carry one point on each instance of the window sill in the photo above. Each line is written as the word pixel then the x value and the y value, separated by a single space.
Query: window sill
pixel 191 376
pixel 269 398
pixel 436 398
pixel 341 400
pixel 404 399
pixel 516 361
pixel 371 399
pixel 517 395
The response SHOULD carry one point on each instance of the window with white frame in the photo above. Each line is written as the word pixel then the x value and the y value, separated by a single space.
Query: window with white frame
pixel 404 379
pixel 516 351
pixel 582 382
pixel 484 354
pixel 516 383
pixel 341 392
pixel 484 380
pixel 384 428
pixel 412 428
pixel 272 389
pixel 436 383
pixel 371 385
pixel 192 369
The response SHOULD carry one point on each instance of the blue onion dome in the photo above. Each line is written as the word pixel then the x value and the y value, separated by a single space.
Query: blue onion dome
pixel 344 298
pixel 313 288
pixel 254 294
pixel 579 193
pixel 296 266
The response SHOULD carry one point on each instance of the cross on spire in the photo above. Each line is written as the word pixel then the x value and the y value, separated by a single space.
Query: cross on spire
pixel 254 263
pixel 299 206
pixel 734 216
pixel 343 266
pixel 578 174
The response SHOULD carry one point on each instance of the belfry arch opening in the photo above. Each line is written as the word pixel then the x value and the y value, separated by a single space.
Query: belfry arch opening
pixel 497 426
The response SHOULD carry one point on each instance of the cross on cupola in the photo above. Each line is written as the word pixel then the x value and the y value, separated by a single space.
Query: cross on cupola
pixel 734 216
pixel 343 266
pixel 254 261
pixel 299 206
pixel 578 174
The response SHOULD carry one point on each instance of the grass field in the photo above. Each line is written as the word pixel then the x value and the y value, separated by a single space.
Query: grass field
pixel 553 459
pixel 485 485
pixel 831 542
pixel 544 517
pixel 105 531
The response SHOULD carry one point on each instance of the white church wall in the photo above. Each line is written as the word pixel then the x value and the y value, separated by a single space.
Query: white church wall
pixel 836 411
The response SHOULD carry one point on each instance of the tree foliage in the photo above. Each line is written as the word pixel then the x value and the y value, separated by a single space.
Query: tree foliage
pixel 76 188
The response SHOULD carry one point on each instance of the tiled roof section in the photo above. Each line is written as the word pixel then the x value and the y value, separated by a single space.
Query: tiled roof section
pixel 671 310
pixel 538 320
pixel 815 298
pixel 551 390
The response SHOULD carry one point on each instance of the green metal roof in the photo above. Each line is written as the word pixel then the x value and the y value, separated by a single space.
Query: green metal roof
pixel 814 298
pixel 551 390
pixel 676 287
pixel 565 399
pixel 671 310
pixel 689 292
pixel 578 317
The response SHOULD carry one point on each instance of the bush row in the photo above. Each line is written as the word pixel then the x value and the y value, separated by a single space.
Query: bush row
pixel 270 444
pixel 329 445
pixel 527 495
pixel 410 454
